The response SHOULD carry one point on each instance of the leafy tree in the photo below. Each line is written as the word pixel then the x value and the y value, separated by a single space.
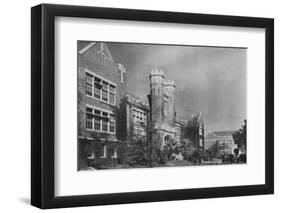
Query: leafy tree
pixel 160 155
pixel 240 136
pixel 137 153
pixel 148 153
pixel 196 156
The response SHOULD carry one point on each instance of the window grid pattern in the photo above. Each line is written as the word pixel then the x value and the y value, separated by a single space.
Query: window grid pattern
pixel 89 120
pixel 111 123
pixel 100 89
pixel 89 84
pixel 89 123
pixel 139 116
pixel 102 120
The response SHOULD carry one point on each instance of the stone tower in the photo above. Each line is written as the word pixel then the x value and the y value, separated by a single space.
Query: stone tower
pixel 162 109
pixel 157 80
pixel 169 102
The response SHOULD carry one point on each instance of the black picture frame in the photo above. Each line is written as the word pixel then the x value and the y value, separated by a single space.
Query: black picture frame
pixel 43 105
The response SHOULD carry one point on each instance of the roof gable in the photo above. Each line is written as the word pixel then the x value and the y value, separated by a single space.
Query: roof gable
pixel 93 48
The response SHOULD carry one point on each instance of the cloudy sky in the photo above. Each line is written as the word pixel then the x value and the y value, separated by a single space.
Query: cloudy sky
pixel 210 80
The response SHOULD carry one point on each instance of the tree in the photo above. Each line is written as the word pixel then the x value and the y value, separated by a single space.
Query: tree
pixel 161 154
pixel 137 153
pixel 240 137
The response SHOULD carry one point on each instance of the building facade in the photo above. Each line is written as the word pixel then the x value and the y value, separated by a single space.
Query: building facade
pixel 193 131
pixel 165 128
pixel 220 142
pixel 137 118
pixel 101 87
pixel 109 117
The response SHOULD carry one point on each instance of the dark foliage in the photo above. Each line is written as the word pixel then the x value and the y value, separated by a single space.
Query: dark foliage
pixel 240 136
pixel 137 153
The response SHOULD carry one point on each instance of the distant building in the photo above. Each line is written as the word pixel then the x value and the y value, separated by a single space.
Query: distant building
pixel 193 130
pixel 221 142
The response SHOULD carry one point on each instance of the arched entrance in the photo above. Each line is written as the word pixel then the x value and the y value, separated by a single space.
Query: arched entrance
pixel 168 140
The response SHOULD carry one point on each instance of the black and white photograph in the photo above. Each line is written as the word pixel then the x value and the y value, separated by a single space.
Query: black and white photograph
pixel 142 105
pixel 160 105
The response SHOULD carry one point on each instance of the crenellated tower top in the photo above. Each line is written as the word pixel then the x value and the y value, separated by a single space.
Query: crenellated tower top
pixel 170 83
pixel 157 72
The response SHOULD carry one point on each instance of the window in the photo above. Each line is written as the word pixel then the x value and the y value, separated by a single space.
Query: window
pixel 97 124
pixel 89 119
pixel 114 153
pixel 97 112
pixel 97 88
pixel 99 120
pixel 103 151
pixel 111 123
pixel 89 110
pixel 100 89
pixel 89 84
pixel 89 123
pixel 111 94
pixel 104 125
pixel 105 91
pixel 139 116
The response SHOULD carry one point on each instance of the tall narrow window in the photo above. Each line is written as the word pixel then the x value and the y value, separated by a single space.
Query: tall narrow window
pixel 111 123
pixel 89 84
pixel 97 124
pixel 89 123
pixel 104 125
pixel 89 118
pixel 103 151
pixel 97 88
pixel 104 91
pixel 111 94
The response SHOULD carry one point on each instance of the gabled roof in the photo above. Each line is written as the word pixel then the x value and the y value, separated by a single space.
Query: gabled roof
pixel 82 44
pixel 85 46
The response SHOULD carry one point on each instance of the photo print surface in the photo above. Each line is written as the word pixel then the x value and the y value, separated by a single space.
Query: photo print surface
pixel 159 105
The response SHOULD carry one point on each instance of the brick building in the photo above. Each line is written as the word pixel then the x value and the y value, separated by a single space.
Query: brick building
pixel 101 87
pixel 109 117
